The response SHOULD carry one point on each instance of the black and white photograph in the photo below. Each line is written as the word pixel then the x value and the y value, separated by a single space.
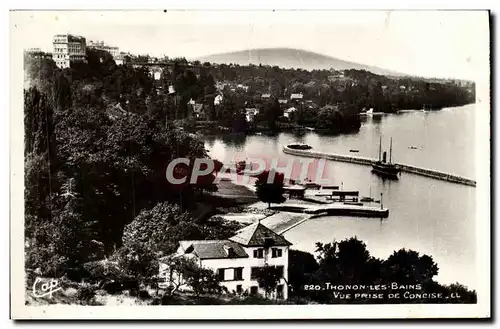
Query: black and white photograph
pixel 259 164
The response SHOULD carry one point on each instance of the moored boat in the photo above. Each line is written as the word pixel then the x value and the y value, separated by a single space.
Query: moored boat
pixel 300 146
pixel 384 168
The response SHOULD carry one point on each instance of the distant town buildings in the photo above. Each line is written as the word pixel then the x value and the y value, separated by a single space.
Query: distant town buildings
pixel 120 59
pixel 296 97
pixel 100 45
pixel 198 110
pixel 242 87
pixel 37 53
pixel 287 112
pixel 32 50
pixel 251 113
pixel 118 56
pixel 68 49
pixel 218 99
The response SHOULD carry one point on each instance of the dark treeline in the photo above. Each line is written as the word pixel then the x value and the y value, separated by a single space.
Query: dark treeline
pixel 346 267
pixel 331 100
pixel 360 88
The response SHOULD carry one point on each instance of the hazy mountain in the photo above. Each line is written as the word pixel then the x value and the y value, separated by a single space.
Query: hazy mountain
pixel 290 58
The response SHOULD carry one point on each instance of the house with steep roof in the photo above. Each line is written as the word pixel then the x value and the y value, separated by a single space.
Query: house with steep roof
pixel 237 260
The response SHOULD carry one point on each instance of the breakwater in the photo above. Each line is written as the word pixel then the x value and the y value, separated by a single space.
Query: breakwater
pixel 335 209
pixel 368 161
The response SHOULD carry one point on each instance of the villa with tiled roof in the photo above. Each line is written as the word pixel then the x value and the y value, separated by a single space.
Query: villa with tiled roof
pixel 238 259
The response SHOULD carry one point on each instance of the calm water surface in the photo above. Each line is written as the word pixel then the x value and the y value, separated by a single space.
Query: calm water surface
pixel 431 216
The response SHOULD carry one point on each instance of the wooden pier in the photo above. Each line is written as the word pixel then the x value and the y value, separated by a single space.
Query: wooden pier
pixel 336 209
pixel 367 161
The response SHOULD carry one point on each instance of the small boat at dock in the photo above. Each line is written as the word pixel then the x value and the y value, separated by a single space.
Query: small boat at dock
pixel 329 187
pixel 311 185
pixel 368 198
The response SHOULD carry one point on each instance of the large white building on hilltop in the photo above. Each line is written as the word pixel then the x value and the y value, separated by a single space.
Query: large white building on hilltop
pixel 68 49
pixel 100 45
pixel 237 260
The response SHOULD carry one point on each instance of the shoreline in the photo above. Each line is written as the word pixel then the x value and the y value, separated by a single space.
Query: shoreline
pixel 277 220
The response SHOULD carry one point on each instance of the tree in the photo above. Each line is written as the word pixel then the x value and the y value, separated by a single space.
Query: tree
pixel 347 262
pixel 184 272
pixel 270 192
pixel 407 266
pixel 352 259
pixel 268 278
pixel 272 111
pixel 139 260
pixel 301 271
pixel 329 117
pixel 161 228
pixel 204 280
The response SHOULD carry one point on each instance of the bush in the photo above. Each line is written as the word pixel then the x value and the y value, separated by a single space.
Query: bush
pixel 86 294
pixel 143 294
pixel 112 287
pixel 104 270
pixel 167 299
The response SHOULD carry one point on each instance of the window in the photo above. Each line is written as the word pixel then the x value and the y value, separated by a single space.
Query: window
pixel 239 289
pixel 276 252
pixel 254 272
pixel 254 290
pixel 280 270
pixel 238 273
pixel 220 274
pixel 258 253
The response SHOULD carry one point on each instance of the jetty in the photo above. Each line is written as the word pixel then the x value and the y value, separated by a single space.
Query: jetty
pixel 368 161
pixel 335 209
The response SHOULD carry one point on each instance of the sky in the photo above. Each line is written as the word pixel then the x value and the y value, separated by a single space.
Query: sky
pixel 444 44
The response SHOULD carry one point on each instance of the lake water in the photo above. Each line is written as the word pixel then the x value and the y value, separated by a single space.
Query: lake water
pixel 430 216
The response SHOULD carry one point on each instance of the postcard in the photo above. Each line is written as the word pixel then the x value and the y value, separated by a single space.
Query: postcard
pixel 271 164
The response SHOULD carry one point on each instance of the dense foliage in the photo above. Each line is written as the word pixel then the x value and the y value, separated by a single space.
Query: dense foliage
pixel 349 266
pixel 91 163
pixel 357 87
pixel 340 95
pixel 270 190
